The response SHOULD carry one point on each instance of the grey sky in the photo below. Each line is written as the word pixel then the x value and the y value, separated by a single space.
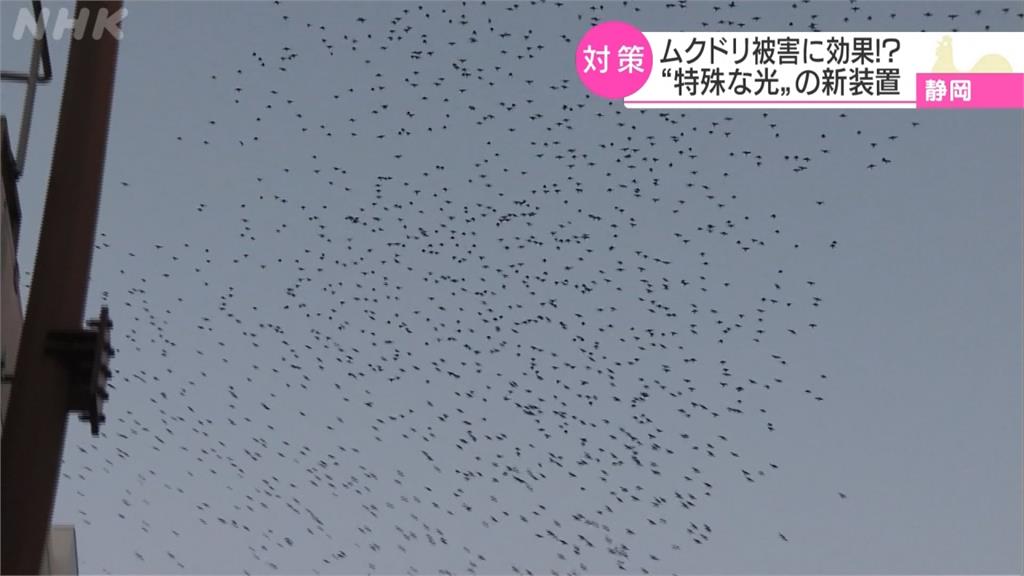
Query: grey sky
pixel 918 328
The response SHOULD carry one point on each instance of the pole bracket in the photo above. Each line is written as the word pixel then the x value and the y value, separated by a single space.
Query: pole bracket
pixel 86 354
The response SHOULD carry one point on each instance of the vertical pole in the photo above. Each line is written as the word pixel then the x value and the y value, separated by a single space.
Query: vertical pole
pixel 33 436
pixel 30 97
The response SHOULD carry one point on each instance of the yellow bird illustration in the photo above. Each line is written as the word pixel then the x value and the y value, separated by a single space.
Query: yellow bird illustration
pixel 987 63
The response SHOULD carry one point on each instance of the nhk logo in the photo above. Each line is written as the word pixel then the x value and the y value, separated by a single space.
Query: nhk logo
pixel 66 21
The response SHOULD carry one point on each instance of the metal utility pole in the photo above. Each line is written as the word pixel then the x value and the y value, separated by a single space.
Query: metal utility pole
pixel 33 435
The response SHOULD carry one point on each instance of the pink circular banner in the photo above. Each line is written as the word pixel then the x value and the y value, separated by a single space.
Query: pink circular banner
pixel 613 60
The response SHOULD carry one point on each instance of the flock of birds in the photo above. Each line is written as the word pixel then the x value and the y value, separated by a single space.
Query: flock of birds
pixel 456 315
